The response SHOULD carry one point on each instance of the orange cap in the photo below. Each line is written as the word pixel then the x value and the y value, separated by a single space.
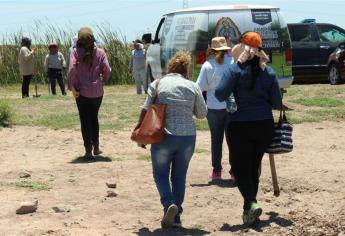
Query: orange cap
pixel 252 39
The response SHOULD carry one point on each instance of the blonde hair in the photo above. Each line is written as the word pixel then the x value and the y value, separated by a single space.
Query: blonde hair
pixel 218 55
pixel 180 63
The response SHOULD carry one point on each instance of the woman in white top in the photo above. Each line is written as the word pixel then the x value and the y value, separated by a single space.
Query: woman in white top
pixel 26 65
pixel 208 80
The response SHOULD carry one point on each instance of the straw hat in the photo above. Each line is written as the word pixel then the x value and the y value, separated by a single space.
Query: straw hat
pixel 219 44
pixel 52 45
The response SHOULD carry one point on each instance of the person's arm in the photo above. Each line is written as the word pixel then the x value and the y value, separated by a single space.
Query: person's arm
pixel 202 78
pixel 27 54
pixel 226 84
pixel 72 80
pixel 275 93
pixel 63 60
pixel 45 64
pixel 106 70
pixel 200 108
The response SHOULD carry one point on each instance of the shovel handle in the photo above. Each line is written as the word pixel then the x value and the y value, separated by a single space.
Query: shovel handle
pixel 274 176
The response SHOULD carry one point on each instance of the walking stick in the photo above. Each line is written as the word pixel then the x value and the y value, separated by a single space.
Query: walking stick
pixel 274 175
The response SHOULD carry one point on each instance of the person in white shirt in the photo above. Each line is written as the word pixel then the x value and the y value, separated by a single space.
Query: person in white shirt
pixel 54 62
pixel 137 66
pixel 26 62
pixel 210 75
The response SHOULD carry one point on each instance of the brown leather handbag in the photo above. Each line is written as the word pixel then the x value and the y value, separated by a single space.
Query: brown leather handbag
pixel 151 129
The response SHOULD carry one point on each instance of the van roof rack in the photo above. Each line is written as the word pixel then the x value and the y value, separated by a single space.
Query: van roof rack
pixel 308 21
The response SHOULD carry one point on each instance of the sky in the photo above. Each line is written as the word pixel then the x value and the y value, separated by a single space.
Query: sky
pixel 132 18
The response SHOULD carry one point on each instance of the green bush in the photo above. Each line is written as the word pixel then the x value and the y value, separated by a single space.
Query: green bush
pixel 6 113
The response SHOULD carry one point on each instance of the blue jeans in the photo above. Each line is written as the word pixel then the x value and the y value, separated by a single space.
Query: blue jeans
pixel 175 152
pixel 217 121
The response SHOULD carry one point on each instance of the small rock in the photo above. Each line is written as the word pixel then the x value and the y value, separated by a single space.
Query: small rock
pixel 267 200
pixel 111 184
pixel 24 174
pixel 111 194
pixel 59 209
pixel 67 224
pixel 27 207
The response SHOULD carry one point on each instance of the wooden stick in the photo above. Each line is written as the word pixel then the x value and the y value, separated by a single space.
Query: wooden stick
pixel 274 176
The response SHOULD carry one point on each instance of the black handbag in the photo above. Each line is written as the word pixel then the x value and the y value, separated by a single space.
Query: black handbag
pixel 282 137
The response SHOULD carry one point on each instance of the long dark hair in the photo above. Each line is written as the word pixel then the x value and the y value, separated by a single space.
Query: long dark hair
pixel 253 69
pixel 86 40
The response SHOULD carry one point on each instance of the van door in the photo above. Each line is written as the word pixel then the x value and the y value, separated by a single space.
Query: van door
pixel 305 42
pixel 330 37
pixel 153 59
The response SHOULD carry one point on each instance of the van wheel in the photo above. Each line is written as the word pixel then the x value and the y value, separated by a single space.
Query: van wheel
pixel 334 75
pixel 149 77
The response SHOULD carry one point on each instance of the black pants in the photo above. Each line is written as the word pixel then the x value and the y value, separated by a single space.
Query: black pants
pixel 88 114
pixel 25 85
pixel 248 142
pixel 56 75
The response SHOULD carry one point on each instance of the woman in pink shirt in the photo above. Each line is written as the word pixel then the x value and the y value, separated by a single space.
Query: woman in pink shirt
pixel 88 69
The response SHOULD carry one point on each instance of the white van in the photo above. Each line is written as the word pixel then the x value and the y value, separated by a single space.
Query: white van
pixel 192 30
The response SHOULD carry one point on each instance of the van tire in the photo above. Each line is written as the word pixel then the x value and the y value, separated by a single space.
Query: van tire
pixel 149 77
pixel 334 75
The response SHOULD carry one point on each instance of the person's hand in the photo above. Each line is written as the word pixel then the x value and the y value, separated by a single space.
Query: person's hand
pixel 102 77
pixel 75 93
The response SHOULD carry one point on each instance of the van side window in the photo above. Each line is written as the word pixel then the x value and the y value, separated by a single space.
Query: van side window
pixel 159 31
pixel 329 33
pixel 300 33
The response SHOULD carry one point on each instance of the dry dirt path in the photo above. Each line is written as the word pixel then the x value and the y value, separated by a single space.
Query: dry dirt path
pixel 312 181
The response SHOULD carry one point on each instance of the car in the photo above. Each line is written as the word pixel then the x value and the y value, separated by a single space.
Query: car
pixel 192 30
pixel 336 65
pixel 312 43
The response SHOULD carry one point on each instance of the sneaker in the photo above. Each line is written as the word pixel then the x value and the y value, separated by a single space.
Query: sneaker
pixel 251 216
pixel 255 211
pixel 214 175
pixel 177 221
pixel 97 151
pixel 169 216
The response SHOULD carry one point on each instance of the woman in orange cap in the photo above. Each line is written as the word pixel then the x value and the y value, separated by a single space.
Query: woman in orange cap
pixel 256 92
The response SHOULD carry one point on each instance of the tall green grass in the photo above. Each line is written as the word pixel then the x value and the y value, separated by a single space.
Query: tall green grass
pixel 118 51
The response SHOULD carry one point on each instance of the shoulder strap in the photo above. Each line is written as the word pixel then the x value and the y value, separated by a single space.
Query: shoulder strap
pixel 155 93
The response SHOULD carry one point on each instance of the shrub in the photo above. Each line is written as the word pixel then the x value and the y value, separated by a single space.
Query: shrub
pixel 6 114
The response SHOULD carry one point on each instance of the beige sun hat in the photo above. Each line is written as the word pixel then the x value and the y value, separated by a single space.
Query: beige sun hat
pixel 219 44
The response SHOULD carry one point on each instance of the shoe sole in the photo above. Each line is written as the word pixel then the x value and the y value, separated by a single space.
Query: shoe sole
pixel 169 217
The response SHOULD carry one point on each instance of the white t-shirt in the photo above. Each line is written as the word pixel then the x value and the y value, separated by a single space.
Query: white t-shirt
pixel 210 75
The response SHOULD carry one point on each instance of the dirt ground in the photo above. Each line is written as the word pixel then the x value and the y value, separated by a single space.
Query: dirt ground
pixel 311 179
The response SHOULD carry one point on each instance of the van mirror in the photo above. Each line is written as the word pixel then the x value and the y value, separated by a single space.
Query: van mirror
pixel 147 38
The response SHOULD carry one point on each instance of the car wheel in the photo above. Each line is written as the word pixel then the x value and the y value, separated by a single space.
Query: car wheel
pixel 334 75
pixel 149 77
